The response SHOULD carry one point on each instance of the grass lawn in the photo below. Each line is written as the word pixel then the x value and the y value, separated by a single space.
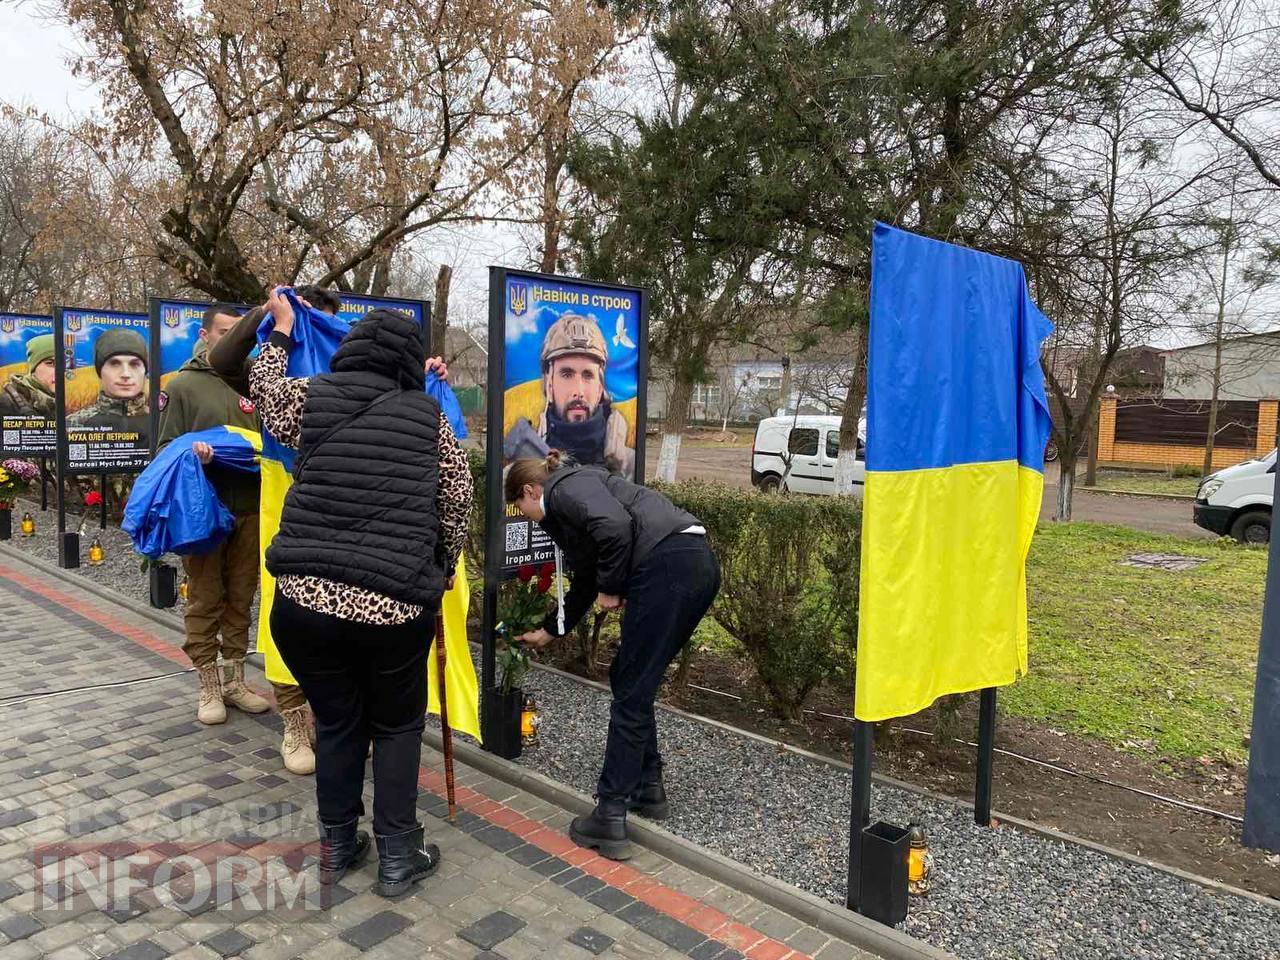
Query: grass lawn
pixel 1149 660
pixel 1148 483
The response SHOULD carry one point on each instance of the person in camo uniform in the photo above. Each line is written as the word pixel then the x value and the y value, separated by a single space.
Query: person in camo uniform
pixel 223 581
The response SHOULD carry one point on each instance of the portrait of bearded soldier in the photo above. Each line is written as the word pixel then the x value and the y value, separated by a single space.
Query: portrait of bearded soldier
pixel 578 417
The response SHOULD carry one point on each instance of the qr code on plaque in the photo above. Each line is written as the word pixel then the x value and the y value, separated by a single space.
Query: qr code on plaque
pixel 78 452
pixel 11 438
pixel 517 537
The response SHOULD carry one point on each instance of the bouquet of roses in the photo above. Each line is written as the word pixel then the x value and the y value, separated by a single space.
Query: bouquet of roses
pixel 16 478
pixel 522 607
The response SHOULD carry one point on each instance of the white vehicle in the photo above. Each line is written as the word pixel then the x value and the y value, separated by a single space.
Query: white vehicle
pixel 1237 501
pixel 798 454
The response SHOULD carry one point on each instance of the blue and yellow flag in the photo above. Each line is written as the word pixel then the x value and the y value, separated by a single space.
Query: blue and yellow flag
pixel 957 422
pixel 173 507
pixel 316 335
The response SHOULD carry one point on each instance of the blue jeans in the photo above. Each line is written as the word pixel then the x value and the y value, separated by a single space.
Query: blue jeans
pixel 666 598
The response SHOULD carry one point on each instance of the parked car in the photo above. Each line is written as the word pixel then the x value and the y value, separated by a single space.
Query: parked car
pixel 809 445
pixel 1237 501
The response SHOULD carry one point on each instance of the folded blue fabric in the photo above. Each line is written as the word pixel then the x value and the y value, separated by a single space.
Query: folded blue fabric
pixel 173 507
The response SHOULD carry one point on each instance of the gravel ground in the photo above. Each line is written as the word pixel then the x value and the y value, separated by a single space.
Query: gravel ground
pixel 995 893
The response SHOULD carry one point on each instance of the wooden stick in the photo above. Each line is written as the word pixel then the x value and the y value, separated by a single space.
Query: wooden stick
pixel 446 735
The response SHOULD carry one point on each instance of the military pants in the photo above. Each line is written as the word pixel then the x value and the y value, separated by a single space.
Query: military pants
pixel 220 589
pixel 288 697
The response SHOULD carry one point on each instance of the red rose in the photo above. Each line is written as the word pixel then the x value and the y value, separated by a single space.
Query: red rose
pixel 544 584
pixel 93 499
pixel 526 572
pixel 548 570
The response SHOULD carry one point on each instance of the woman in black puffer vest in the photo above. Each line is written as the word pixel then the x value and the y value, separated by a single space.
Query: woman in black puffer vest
pixel 369 536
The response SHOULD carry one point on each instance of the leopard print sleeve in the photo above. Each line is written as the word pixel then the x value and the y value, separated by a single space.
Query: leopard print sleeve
pixel 278 398
pixel 454 495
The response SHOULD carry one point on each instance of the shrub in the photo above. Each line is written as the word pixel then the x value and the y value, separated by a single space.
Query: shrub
pixel 1184 470
pixel 790 583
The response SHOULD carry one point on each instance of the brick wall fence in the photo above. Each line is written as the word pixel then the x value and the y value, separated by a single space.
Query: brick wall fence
pixel 1170 433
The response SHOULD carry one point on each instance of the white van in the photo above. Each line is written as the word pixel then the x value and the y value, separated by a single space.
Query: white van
pixel 812 444
pixel 1237 501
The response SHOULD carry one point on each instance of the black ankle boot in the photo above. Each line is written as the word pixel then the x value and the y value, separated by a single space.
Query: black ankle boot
pixel 650 801
pixel 341 848
pixel 403 860
pixel 605 829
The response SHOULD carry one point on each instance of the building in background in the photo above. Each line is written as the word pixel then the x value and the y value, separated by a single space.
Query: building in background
pixel 1249 369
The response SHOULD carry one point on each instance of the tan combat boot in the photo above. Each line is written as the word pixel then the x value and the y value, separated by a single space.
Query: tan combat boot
pixel 295 749
pixel 211 709
pixel 236 693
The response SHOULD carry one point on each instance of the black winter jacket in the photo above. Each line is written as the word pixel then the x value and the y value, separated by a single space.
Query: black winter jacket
pixel 607 527
pixel 362 508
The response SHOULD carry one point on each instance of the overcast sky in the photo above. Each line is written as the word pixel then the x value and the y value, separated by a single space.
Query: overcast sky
pixel 34 53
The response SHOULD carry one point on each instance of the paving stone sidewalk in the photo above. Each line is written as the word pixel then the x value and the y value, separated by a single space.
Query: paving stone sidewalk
pixel 128 830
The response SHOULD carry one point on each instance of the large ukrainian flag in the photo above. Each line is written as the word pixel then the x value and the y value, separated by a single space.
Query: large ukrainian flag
pixel 957 422
pixel 316 336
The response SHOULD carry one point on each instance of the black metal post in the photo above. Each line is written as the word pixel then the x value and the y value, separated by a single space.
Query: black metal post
pixel 44 484
pixel 859 808
pixel 986 752
pixel 494 512
pixel 102 507
pixel 1262 797
pixel 68 543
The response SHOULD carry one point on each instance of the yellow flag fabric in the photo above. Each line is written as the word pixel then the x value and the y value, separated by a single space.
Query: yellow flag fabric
pixel 462 688
pixel 957 422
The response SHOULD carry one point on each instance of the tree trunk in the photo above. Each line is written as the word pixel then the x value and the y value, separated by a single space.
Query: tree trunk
pixel 440 310
pixel 673 428
pixel 1217 350
pixel 849 416
pixel 785 389
pixel 1091 464
pixel 1066 480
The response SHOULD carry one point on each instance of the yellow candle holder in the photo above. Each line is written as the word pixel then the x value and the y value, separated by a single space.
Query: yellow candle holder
pixel 28 525
pixel 529 722
pixel 96 553
pixel 919 862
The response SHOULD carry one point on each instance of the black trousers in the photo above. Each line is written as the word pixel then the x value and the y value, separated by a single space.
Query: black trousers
pixel 666 598
pixel 363 682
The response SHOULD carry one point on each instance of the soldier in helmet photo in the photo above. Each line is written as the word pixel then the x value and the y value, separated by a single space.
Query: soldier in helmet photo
pixel 578 417
pixel 120 358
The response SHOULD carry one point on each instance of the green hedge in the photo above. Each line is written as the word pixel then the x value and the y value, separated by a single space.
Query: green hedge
pixel 790 579
pixel 790 583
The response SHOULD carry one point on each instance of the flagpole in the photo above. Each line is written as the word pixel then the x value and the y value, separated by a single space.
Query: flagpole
pixel 859 809
pixel 986 749
pixel 446 735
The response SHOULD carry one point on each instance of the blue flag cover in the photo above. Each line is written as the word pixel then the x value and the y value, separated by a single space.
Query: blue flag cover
pixel 449 404
pixel 957 422
pixel 173 507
